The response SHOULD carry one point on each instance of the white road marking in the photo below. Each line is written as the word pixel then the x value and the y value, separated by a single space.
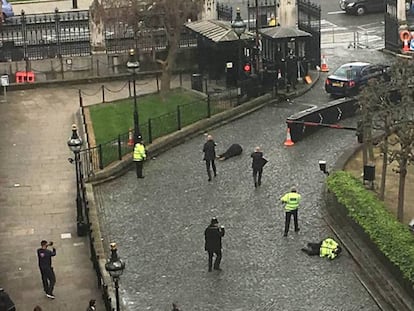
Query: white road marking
pixel 336 12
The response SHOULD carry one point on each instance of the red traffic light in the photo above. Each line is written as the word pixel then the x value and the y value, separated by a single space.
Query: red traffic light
pixel 247 67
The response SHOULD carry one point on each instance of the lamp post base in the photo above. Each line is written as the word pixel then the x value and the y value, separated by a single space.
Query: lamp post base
pixel 82 229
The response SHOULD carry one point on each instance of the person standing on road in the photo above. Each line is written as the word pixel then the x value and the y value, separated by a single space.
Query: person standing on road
pixel 45 265
pixel 139 157
pixel 92 305
pixel 257 166
pixel 209 150
pixel 291 201
pixel 213 235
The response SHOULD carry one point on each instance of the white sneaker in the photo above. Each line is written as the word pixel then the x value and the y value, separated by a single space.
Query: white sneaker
pixel 50 296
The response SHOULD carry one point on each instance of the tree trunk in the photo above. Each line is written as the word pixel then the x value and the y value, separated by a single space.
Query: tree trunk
pixel 167 64
pixel 364 153
pixel 401 189
pixel 384 169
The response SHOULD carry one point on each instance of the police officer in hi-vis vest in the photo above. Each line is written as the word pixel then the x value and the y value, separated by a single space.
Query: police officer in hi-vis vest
pixel 327 248
pixel 291 200
pixel 139 156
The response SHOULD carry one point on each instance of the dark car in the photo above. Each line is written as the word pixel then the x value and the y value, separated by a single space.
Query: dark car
pixel 361 7
pixel 348 79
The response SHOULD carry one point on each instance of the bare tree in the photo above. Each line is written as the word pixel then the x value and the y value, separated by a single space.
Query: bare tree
pixel 403 125
pixel 146 19
pixel 388 106
pixel 174 14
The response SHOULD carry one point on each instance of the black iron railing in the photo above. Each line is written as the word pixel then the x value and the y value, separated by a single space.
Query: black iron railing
pixel 65 34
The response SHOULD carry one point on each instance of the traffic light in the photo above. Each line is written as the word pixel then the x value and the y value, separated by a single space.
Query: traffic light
pixel 247 68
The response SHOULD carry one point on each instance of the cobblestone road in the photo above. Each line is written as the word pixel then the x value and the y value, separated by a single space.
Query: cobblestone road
pixel 159 222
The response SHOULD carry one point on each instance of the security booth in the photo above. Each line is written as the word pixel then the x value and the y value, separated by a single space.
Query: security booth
pixel 285 50
pixel 220 53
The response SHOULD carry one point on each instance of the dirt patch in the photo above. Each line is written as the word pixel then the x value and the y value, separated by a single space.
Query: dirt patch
pixel 355 167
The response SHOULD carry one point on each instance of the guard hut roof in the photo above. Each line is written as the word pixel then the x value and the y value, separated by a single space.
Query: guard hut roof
pixel 217 31
pixel 283 32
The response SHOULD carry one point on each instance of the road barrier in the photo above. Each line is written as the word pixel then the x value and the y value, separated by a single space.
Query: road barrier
pixel 308 121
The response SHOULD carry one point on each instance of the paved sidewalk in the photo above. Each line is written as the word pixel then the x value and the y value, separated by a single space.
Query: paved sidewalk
pixel 37 197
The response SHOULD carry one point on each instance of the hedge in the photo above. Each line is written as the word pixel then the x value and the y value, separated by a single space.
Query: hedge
pixel 392 237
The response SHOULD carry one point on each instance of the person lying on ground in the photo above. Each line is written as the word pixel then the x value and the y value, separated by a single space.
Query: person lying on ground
pixel 327 248
pixel 232 151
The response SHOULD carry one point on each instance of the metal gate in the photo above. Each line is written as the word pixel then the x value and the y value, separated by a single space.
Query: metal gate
pixel 264 9
pixel 309 20
pixel 392 40
pixel 49 35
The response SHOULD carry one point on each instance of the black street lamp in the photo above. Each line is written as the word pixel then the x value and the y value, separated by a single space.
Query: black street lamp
pixel 75 144
pixel 115 267
pixel 133 66
pixel 239 27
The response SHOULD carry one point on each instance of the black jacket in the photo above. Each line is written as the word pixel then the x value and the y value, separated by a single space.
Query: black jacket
pixel 234 150
pixel 209 150
pixel 45 257
pixel 213 235
pixel 257 162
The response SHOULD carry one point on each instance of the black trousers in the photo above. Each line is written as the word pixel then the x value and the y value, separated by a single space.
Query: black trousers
pixel 48 279
pixel 257 181
pixel 313 249
pixel 213 165
pixel 295 220
pixel 138 166
pixel 216 262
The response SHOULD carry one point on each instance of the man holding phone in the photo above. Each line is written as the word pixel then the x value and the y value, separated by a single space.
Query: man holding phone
pixel 45 265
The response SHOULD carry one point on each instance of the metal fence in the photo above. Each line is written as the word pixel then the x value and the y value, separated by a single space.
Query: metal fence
pixel 98 157
pixel 260 14
pixel 224 12
pixel 392 37
pixel 309 20
pixel 84 203
pixel 66 34
pixel 40 36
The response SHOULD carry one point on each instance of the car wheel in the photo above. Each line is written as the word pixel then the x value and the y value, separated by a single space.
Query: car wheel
pixel 360 10
pixel 342 5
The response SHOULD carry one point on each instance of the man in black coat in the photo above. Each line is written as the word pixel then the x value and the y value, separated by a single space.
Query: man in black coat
pixel 257 166
pixel 45 265
pixel 209 150
pixel 234 150
pixel 213 235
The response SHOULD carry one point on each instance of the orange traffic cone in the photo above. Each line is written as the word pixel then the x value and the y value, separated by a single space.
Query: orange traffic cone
pixel 288 141
pixel 324 65
pixel 130 138
pixel 406 46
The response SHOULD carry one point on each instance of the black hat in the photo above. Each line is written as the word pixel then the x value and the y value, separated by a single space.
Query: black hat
pixel 214 220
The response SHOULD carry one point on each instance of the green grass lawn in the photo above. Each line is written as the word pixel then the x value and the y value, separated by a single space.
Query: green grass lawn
pixel 111 119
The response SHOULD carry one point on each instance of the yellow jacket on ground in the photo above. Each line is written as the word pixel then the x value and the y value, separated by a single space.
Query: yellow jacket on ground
pixel 328 248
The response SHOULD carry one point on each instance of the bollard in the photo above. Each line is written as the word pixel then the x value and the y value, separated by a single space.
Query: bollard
pixel 149 131
pixel 208 106
pixel 103 93
pixel 178 118
pixel 119 148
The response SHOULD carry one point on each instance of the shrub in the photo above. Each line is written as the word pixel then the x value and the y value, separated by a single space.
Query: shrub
pixel 392 237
